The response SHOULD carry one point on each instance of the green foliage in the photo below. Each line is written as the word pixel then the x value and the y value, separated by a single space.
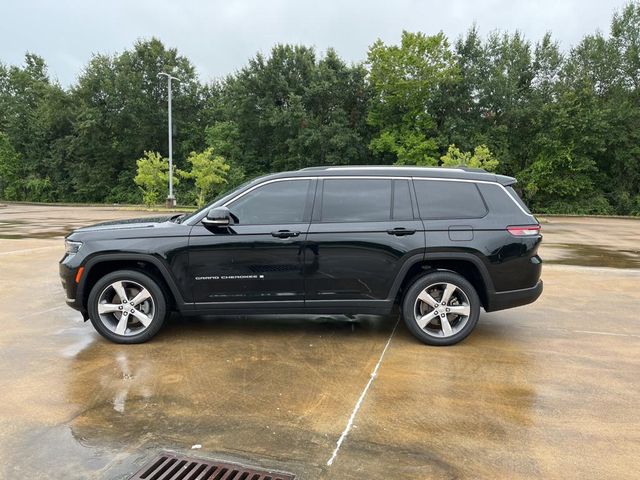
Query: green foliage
pixel 566 124
pixel 10 174
pixel 291 110
pixel 209 172
pixel 562 184
pixel 153 177
pixel 408 83
pixel 481 157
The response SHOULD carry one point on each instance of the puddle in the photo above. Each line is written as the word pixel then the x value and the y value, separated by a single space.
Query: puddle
pixel 592 256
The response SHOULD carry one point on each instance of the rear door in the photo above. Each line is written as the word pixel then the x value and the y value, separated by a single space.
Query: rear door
pixel 362 231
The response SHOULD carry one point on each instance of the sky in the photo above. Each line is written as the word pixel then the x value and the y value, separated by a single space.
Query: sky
pixel 220 36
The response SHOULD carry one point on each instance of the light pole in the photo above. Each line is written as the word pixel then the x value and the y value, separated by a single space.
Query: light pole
pixel 171 199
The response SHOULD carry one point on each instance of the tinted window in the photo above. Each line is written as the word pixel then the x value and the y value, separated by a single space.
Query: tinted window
pixel 356 200
pixel 517 198
pixel 402 209
pixel 274 203
pixel 444 199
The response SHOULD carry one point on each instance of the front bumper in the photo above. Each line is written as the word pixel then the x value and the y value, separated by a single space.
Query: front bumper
pixel 68 279
pixel 513 298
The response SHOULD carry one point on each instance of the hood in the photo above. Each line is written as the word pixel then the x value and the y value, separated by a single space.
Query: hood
pixel 145 222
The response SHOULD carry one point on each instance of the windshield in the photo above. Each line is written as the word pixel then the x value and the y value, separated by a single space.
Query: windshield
pixel 219 199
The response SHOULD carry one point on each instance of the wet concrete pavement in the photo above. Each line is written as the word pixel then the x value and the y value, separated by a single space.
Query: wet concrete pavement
pixel 548 390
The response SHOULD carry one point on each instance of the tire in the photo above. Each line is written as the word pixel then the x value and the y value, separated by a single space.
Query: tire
pixel 107 308
pixel 434 323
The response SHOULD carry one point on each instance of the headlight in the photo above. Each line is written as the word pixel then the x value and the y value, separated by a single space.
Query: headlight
pixel 71 247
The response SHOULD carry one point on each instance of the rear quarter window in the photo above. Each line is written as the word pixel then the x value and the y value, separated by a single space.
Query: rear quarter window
pixel 449 199
pixel 503 205
pixel 517 199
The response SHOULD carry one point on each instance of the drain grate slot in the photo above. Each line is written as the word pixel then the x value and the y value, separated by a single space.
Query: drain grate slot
pixel 169 466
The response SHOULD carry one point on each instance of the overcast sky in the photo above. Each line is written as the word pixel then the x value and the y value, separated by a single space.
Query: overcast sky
pixel 219 36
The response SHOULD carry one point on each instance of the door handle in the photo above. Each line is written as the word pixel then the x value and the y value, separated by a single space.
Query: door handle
pixel 401 231
pixel 284 234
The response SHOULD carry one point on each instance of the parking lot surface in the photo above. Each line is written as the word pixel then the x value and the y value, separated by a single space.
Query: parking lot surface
pixel 549 390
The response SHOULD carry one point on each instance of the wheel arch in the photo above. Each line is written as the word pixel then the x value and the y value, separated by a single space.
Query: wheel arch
pixel 101 265
pixel 465 264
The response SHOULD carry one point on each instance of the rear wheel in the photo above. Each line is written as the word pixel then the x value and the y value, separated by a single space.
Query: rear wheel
pixel 441 308
pixel 127 306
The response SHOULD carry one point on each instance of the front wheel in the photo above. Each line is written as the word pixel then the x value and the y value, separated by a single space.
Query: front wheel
pixel 441 308
pixel 127 306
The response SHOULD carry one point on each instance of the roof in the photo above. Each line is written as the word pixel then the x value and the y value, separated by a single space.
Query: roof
pixel 462 173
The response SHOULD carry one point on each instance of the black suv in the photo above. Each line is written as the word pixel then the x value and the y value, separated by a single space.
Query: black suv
pixel 443 242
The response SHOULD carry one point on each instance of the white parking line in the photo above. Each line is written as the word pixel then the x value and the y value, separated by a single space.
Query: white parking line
pixel 360 400
pixel 566 330
pixel 607 333
pixel 27 250
pixel 35 314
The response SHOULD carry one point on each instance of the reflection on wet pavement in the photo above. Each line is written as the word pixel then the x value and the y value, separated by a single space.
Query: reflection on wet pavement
pixel 591 242
pixel 40 221
pixel 536 392
pixel 592 256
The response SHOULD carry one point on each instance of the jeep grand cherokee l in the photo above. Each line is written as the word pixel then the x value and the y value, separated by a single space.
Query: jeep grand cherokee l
pixel 442 242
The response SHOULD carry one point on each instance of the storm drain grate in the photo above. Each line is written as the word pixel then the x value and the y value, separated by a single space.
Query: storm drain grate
pixel 169 466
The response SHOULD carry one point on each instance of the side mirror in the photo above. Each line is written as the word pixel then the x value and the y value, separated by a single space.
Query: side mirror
pixel 218 217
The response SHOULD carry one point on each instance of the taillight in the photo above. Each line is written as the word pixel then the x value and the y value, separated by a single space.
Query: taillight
pixel 523 230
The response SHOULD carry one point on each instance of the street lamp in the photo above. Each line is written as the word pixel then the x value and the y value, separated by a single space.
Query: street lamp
pixel 171 199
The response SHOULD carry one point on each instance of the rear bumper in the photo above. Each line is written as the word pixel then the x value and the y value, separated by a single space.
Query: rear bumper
pixel 513 298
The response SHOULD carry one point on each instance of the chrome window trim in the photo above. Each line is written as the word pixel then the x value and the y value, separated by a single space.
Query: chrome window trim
pixel 227 203
pixel 364 167
pixel 388 177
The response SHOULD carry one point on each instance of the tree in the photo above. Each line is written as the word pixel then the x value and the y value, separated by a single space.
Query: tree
pixel 121 111
pixel 563 176
pixel 208 171
pixel 408 83
pixel 291 110
pixel 153 177
pixel 10 170
pixel 36 118
pixel 480 158
pixel 565 123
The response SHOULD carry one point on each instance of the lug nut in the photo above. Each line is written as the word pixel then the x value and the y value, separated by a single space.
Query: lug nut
pixel 132 310
pixel 448 310
pixel 120 307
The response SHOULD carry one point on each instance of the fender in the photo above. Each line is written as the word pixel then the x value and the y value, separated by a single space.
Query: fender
pixel 465 256
pixel 424 258
pixel 406 266
pixel 134 257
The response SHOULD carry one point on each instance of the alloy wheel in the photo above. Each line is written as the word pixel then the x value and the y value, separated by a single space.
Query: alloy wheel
pixel 126 307
pixel 442 310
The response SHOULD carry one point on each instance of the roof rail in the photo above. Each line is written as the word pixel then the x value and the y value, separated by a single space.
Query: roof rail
pixel 353 167
pixel 472 169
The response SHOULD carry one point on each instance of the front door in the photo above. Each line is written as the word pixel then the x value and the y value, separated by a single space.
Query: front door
pixel 261 257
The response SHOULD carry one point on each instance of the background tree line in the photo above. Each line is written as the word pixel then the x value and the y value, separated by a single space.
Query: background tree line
pixel 565 123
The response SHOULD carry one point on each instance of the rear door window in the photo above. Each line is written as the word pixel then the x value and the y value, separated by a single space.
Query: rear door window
pixel 356 200
pixel 444 199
